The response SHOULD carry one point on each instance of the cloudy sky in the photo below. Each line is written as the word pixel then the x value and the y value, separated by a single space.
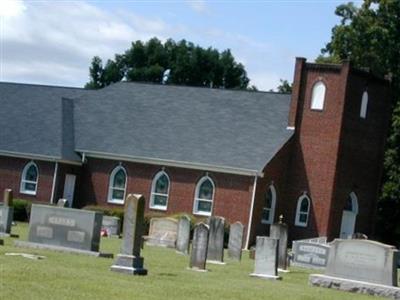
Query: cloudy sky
pixel 52 42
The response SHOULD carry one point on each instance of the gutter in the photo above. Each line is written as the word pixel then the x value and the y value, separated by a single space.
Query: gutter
pixel 39 157
pixel 54 182
pixel 251 213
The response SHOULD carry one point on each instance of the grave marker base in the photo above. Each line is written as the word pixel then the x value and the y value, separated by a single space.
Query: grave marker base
pixel 129 264
pixel 197 269
pixel 269 277
pixel 216 262
pixel 24 244
pixel 2 234
pixel 354 286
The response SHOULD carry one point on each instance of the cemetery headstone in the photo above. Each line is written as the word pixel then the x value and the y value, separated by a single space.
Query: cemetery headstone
pixel 62 203
pixel 183 237
pixel 198 255
pixel 361 266
pixel 266 258
pixel 60 228
pixel 235 243
pixel 129 260
pixel 162 232
pixel 215 251
pixel 111 225
pixel 310 255
pixel 6 213
pixel 6 218
pixel 8 197
pixel 280 231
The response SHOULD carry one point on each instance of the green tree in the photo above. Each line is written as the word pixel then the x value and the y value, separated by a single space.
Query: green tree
pixel 284 86
pixel 370 37
pixel 184 62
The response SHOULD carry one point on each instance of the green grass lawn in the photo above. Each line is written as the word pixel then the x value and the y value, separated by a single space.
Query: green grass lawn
pixel 71 276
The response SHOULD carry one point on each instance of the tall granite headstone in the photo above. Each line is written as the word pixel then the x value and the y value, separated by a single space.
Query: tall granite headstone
pixel 6 213
pixel 215 251
pixel 361 266
pixel 280 231
pixel 183 237
pixel 8 197
pixel 266 258
pixel 129 260
pixel 235 243
pixel 198 255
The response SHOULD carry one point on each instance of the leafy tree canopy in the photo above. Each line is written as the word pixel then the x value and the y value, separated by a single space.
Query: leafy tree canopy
pixel 181 63
pixel 370 37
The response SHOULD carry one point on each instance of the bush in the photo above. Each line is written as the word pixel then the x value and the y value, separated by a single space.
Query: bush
pixel 22 209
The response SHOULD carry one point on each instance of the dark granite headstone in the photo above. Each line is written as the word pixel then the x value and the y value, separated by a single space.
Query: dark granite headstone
pixel 65 227
pixel 111 225
pixel 183 237
pixel 6 218
pixel 215 251
pixel 129 260
pixel 280 231
pixel 235 243
pixel 8 197
pixel 62 203
pixel 266 260
pixel 198 255
pixel 310 255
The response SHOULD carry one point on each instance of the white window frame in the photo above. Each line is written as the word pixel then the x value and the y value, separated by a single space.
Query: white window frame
pixel 298 213
pixel 111 188
pixel 22 189
pixel 364 105
pixel 153 193
pixel 272 208
pixel 196 199
pixel 316 102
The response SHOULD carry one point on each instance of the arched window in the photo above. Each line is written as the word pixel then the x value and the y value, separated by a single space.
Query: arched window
pixel 117 186
pixel 364 105
pixel 302 211
pixel 29 179
pixel 204 196
pixel 269 206
pixel 159 191
pixel 318 96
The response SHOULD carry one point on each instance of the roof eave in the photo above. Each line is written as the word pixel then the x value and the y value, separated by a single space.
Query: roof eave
pixel 172 163
pixel 39 157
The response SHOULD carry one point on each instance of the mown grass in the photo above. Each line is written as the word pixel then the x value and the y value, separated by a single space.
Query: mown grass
pixel 71 276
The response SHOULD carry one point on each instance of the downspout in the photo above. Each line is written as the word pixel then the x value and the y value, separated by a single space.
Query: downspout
pixel 251 212
pixel 54 182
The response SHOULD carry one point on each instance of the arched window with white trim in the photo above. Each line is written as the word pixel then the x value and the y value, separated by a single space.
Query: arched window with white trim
pixel 318 96
pixel 117 186
pixel 302 211
pixel 160 191
pixel 364 105
pixel 268 211
pixel 204 197
pixel 29 179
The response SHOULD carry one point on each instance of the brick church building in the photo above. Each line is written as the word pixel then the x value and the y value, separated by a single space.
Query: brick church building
pixel 314 156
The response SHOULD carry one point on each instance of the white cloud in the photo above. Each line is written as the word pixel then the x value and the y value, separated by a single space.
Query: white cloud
pixel 54 42
pixel 11 8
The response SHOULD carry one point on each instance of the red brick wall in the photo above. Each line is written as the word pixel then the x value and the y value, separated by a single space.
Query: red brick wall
pixel 274 173
pixel 232 195
pixel 361 151
pixel 10 177
pixel 312 165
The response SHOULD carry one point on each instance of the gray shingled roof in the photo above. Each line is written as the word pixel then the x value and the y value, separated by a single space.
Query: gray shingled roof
pixel 226 129
pixel 35 121
pixel 235 131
